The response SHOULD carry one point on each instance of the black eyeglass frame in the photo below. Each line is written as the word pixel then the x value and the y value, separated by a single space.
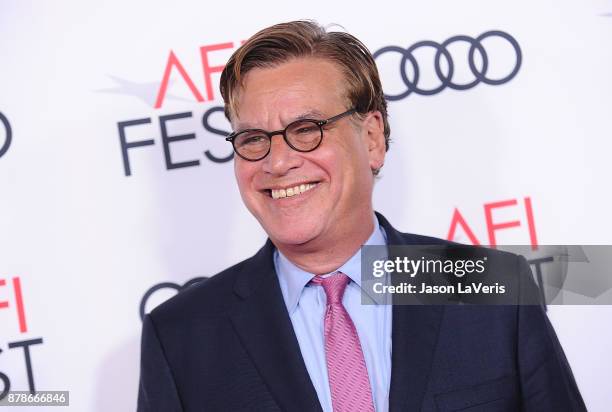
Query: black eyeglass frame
pixel 231 138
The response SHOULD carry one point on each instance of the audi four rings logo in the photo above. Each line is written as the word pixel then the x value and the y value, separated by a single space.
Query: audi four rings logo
pixel 5 141
pixel 446 76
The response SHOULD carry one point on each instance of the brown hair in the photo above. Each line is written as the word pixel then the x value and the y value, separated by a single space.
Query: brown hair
pixel 285 41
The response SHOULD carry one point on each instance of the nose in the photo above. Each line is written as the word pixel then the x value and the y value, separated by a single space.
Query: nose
pixel 281 158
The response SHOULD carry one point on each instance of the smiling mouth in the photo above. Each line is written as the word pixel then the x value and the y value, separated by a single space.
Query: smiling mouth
pixel 290 191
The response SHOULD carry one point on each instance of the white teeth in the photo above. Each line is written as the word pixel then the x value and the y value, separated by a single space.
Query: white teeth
pixel 291 191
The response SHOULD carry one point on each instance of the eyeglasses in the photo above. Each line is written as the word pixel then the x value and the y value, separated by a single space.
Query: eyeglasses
pixel 303 135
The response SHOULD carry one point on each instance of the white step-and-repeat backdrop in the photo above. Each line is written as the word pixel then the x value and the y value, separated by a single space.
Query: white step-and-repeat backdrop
pixel 117 187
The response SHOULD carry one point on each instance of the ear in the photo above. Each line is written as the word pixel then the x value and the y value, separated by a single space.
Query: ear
pixel 375 134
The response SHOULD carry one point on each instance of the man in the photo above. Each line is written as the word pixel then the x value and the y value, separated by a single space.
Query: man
pixel 285 329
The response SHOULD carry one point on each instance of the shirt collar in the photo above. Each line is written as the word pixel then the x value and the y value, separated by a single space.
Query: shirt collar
pixel 293 279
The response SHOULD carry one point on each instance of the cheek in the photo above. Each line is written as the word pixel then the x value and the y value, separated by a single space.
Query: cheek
pixel 339 166
pixel 244 175
pixel 354 172
pixel 351 161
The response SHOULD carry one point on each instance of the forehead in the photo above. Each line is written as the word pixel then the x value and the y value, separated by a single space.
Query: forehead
pixel 304 87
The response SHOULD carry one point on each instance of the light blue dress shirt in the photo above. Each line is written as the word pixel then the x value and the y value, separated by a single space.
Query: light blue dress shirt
pixel 306 305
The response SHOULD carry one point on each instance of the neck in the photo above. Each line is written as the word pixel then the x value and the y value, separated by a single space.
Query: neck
pixel 324 255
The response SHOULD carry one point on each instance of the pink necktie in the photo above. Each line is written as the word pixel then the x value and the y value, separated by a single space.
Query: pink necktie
pixel 348 375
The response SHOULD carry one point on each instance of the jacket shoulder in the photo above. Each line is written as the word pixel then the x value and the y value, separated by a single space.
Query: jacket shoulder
pixel 211 297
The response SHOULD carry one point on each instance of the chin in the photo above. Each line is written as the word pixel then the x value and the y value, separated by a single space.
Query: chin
pixel 293 234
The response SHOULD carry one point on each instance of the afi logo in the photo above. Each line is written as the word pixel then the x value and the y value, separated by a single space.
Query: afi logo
pixel 493 226
pixel 173 64
pixel 211 120
pixel 11 299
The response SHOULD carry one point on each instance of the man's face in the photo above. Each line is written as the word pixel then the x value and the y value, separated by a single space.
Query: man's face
pixel 337 175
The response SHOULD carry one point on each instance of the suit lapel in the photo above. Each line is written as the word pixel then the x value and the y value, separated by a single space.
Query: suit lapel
pixel 414 336
pixel 265 330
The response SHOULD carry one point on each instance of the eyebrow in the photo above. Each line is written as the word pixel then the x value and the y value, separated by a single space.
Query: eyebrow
pixel 309 114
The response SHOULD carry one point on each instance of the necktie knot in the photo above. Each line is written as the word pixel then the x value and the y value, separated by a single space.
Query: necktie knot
pixel 333 286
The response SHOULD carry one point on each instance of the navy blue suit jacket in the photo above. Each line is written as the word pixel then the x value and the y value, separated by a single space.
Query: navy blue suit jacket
pixel 227 344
